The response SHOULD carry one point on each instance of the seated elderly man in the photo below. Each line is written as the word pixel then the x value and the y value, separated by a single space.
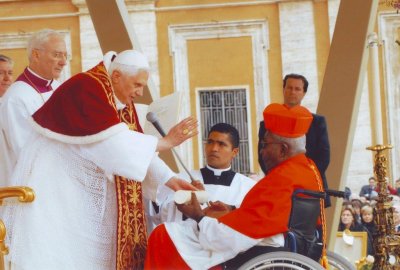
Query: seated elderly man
pixel 263 216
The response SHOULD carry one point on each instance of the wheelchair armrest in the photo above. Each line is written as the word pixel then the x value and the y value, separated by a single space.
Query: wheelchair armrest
pixel 311 193
pixel 337 193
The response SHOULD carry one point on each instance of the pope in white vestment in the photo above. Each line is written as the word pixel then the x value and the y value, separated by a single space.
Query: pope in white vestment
pixel 80 147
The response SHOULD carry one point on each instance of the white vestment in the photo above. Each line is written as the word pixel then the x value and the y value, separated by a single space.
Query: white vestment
pixel 198 246
pixel 72 222
pixel 215 242
pixel 18 104
pixel 231 195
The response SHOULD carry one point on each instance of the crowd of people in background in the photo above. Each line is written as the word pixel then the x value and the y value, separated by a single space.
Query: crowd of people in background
pixel 357 214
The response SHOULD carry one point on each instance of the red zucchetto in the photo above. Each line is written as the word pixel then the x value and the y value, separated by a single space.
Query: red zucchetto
pixel 287 122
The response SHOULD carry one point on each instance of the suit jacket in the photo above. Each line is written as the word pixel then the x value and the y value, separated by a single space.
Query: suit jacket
pixel 366 191
pixel 317 147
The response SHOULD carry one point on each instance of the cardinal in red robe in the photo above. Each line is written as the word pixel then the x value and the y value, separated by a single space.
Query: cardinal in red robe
pixel 262 218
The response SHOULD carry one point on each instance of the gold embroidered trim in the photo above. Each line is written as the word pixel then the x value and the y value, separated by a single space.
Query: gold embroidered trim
pixel 127 116
pixel 131 234
pixel 322 206
pixel 131 231
pixel 99 73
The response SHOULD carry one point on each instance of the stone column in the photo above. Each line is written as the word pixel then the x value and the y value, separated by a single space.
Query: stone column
pixel 90 48
pixel 298 45
pixel 143 18
pixel 333 7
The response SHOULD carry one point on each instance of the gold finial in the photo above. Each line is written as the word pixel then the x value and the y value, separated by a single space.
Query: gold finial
pixel 391 3
pixel 380 147
pixel 24 194
pixel 386 242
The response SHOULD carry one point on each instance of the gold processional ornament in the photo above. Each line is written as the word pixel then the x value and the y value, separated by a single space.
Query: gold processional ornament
pixel 391 3
pixel 25 195
pixel 386 241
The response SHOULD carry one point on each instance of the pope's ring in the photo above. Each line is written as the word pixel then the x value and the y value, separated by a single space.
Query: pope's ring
pixel 185 131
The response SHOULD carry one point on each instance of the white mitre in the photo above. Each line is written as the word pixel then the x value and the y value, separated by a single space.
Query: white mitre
pixel 129 58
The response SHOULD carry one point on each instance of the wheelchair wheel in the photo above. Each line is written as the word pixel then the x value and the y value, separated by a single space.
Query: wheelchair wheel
pixel 281 260
pixel 338 262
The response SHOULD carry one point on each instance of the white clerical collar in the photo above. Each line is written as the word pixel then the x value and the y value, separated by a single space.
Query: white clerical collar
pixel 48 81
pixel 218 172
pixel 118 103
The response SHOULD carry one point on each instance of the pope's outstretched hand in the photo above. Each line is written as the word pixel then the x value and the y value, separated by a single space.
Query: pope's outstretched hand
pixel 179 133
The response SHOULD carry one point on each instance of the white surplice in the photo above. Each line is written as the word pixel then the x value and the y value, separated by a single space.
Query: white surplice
pixel 196 242
pixel 231 195
pixel 18 104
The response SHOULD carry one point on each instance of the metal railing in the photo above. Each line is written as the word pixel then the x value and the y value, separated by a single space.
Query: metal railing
pixel 24 195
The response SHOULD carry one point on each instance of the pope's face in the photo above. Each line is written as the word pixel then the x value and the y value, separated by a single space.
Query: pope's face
pixel 219 150
pixel 293 92
pixel 49 60
pixel 128 87
pixel 6 76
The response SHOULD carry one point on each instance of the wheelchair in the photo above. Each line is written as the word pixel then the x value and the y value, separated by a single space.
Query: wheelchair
pixel 303 246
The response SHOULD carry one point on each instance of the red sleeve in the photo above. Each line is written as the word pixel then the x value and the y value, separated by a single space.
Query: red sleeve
pixel 264 211
pixel 392 190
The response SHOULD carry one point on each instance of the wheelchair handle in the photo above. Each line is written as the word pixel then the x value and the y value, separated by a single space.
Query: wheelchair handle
pixel 315 194
pixel 336 193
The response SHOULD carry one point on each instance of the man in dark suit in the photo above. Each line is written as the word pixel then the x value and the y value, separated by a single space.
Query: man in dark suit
pixel 369 191
pixel 317 142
